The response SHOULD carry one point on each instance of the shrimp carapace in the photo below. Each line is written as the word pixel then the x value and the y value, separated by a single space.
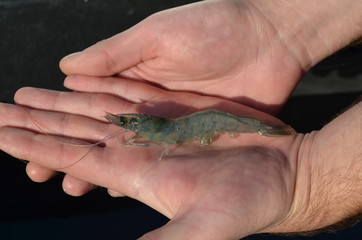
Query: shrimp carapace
pixel 203 126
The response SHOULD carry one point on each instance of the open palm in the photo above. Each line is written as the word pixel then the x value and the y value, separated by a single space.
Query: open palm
pixel 235 187
pixel 220 48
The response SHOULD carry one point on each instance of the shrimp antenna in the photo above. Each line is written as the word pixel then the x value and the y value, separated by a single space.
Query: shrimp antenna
pixel 36 123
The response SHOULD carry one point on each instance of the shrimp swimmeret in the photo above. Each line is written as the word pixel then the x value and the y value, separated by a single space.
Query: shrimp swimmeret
pixel 203 126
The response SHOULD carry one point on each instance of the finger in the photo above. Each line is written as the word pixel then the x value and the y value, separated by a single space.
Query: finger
pixel 39 173
pixel 149 96
pixel 95 105
pixel 194 225
pixel 138 92
pixel 88 104
pixel 114 193
pixel 76 187
pixel 55 123
pixel 130 90
pixel 150 99
pixel 43 150
pixel 112 55
pixel 97 165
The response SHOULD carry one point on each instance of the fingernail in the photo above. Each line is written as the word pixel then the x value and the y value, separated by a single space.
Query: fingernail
pixel 70 56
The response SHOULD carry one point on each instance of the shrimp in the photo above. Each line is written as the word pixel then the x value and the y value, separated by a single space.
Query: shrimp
pixel 203 126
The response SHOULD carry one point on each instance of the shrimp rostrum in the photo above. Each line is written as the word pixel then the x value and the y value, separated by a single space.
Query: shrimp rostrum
pixel 203 126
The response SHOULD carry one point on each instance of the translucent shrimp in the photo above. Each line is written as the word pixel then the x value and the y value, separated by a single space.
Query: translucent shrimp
pixel 203 126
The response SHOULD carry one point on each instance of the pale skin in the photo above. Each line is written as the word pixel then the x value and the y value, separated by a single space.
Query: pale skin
pixel 237 186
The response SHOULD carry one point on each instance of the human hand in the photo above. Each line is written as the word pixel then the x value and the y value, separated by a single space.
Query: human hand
pixel 250 52
pixel 227 49
pixel 230 189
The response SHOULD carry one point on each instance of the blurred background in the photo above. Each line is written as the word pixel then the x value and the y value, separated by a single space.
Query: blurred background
pixel 36 34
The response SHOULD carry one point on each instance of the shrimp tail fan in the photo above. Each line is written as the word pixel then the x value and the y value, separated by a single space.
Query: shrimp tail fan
pixel 275 131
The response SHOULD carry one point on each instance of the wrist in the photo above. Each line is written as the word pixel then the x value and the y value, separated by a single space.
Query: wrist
pixel 313 30
pixel 328 185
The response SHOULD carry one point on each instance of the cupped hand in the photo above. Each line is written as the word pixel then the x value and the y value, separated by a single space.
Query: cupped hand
pixel 228 190
pixel 228 49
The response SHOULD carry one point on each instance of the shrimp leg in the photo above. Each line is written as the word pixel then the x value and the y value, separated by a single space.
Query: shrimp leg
pixel 138 141
pixel 206 140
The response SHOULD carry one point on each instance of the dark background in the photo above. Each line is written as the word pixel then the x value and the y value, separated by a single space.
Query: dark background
pixel 36 34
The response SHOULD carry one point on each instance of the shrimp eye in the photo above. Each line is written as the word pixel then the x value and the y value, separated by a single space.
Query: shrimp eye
pixel 122 121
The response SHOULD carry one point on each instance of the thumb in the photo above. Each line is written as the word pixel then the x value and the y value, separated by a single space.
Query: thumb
pixel 194 226
pixel 112 55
